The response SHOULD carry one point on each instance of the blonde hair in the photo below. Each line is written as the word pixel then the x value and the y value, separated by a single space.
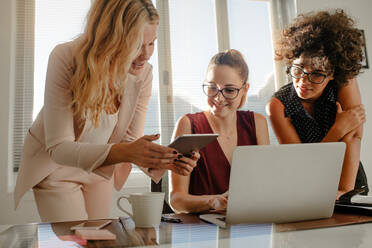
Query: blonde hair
pixel 235 60
pixel 112 39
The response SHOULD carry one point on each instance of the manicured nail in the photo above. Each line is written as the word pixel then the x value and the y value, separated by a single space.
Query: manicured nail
pixel 179 156
pixel 175 160
pixel 174 152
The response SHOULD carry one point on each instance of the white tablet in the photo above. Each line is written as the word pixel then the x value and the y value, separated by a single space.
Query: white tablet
pixel 186 143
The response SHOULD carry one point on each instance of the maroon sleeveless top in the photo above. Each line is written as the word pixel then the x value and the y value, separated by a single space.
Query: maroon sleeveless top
pixel 212 173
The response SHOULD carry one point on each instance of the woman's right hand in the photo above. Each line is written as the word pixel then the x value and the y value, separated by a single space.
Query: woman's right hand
pixel 350 119
pixel 219 202
pixel 144 153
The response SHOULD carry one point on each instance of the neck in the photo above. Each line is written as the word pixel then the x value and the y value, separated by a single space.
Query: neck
pixel 223 124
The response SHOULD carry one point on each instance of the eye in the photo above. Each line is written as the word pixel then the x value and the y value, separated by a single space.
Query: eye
pixel 212 87
pixel 296 70
pixel 229 90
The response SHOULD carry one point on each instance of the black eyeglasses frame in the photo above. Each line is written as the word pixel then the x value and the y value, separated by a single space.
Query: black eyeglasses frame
pixel 307 74
pixel 222 90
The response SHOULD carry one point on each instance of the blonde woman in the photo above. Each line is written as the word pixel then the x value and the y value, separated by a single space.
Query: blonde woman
pixel 89 130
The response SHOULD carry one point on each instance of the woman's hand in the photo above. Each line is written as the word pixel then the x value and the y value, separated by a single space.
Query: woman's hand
pixel 184 164
pixel 340 193
pixel 219 202
pixel 144 153
pixel 350 119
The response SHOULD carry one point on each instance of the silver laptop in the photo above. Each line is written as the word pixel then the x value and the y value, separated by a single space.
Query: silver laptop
pixel 282 183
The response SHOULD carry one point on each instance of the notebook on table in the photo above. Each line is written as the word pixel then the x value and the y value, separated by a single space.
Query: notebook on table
pixel 282 183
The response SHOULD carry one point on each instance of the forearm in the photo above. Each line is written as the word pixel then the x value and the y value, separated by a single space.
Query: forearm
pixel 334 135
pixel 351 164
pixel 186 203
pixel 117 154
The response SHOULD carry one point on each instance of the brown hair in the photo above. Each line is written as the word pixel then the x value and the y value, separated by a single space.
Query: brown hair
pixel 235 60
pixel 327 37
pixel 111 41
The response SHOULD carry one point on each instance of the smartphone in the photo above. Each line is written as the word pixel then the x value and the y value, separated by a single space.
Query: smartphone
pixel 186 143
pixel 91 225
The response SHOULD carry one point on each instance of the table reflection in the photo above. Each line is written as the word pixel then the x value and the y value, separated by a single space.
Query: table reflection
pixel 19 236
pixel 202 234
pixel 47 237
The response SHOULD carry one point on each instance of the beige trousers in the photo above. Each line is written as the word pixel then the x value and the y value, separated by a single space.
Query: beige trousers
pixel 73 194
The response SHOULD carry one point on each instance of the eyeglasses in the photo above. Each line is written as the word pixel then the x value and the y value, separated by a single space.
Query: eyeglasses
pixel 314 77
pixel 229 93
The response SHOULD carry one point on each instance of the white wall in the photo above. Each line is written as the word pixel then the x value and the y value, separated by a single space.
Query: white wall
pixel 360 10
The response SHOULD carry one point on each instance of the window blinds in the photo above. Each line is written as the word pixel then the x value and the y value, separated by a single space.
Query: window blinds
pixel 24 75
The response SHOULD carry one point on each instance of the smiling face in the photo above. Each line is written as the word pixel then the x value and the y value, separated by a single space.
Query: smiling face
pixel 147 49
pixel 304 88
pixel 223 76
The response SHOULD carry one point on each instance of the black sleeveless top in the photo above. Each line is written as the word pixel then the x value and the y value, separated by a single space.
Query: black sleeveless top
pixel 312 129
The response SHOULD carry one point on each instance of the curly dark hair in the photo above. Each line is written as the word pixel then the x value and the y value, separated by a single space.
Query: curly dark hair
pixel 329 36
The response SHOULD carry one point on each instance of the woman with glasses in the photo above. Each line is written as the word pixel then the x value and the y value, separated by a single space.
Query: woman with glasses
pixel 322 103
pixel 226 87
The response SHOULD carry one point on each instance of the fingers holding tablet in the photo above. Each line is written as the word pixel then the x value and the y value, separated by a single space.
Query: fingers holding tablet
pixel 187 143
pixel 185 164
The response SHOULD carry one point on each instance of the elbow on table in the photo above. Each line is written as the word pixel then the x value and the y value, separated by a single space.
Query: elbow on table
pixel 175 202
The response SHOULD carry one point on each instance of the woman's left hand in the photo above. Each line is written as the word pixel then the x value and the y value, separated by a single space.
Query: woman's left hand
pixel 186 163
pixel 340 193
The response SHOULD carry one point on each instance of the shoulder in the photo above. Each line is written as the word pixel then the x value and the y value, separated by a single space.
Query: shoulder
pixel 284 91
pixel 64 50
pixel 274 107
pixel 183 126
pixel 349 94
pixel 184 121
pixel 62 55
pixel 195 116
pixel 259 118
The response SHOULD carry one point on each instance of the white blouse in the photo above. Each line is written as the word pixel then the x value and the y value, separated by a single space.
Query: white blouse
pixel 102 133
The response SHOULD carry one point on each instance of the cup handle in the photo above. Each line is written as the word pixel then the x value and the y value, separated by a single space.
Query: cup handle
pixel 122 209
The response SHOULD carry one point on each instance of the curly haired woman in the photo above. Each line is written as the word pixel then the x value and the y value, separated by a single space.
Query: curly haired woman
pixel 323 52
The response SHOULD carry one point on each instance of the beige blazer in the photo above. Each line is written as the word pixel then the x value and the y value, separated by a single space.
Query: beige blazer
pixel 52 141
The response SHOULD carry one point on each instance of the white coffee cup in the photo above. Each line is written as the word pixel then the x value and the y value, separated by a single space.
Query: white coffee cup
pixel 146 207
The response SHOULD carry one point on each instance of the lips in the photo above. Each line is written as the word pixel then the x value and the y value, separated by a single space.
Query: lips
pixel 303 90
pixel 137 66
pixel 219 106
